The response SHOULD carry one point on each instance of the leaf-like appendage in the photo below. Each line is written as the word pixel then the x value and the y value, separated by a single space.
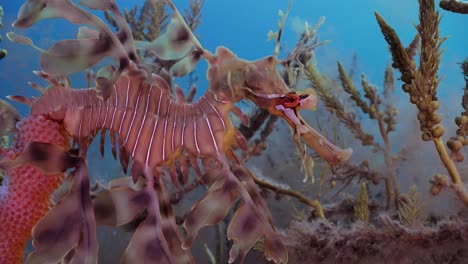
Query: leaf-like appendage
pixel 70 56
pixel 35 10
pixel 186 64
pixel 73 55
pixel 274 248
pixel 20 39
pixel 248 226
pixel 87 33
pixel 170 228
pixel 251 222
pixel 212 207
pixel 47 157
pixel 68 231
pixel 245 228
pixel 148 244
pixel 124 34
pixel 98 5
pixel 174 44
pixel 57 232
pixel 119 206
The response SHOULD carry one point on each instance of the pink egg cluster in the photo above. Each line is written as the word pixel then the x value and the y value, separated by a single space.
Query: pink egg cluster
pixel 27 191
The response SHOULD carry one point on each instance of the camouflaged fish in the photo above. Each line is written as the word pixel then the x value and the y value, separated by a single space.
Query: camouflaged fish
pixel 156 131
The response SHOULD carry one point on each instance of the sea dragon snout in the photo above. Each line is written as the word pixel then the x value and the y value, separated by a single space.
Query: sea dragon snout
pixel 266 88
pixel 287 106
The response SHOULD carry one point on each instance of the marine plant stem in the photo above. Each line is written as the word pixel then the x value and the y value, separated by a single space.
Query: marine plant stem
pixel 448 162
pixel 219 246
pixel 312 203
pixel 390 175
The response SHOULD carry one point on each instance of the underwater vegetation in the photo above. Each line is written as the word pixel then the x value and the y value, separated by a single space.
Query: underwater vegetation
pixel 359 230
pixel 3 52
pixel 159 131
pixel 171 145
pixel 8 119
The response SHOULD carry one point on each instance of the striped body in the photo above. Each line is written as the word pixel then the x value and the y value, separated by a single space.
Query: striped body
pixel 152 127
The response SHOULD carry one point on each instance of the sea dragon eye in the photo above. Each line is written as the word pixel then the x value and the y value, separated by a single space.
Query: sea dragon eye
pixel 291 100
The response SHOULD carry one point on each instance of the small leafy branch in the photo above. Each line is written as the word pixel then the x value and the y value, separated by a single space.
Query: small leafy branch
pixel 361 207
pixel 409 212
pixel 376 107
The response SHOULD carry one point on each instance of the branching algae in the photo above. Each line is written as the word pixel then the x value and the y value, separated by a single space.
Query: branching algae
pixel 402 235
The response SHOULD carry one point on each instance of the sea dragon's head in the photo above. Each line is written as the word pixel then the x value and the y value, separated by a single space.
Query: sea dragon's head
pixel 233 79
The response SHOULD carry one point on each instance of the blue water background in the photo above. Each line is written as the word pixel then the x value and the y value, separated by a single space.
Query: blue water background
pixel 242 26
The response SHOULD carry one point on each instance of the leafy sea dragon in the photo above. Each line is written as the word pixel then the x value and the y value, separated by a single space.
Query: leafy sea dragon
pixel 157 130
